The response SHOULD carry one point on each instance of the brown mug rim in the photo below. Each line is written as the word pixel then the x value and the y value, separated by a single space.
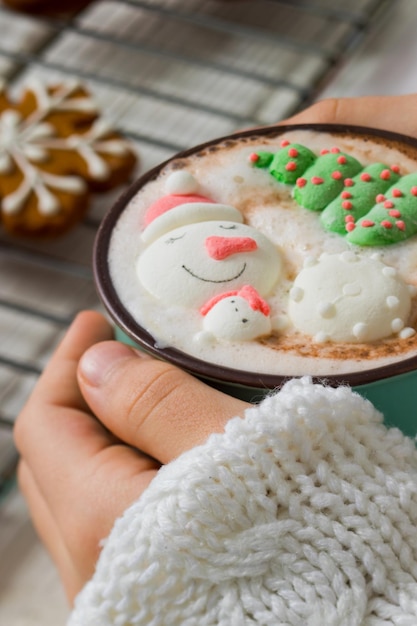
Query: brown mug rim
pixel 203 369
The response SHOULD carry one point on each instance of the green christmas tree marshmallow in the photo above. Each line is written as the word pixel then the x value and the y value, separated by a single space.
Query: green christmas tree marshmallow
pixel 287 164
pixel 392 219
pixel 372 205
pixel 325 179
pixel 358 197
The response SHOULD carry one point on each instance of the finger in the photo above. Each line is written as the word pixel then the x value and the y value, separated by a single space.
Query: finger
pixel 69 451
pixel 393 113
pixel 48 531
pixel 56 385
pixel 73 453
pixel 150 404
pixel 97 493
pixel 73 520
pixel 54 417
pixel 53 433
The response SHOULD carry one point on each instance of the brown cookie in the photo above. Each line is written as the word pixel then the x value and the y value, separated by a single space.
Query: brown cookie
pixel 55 150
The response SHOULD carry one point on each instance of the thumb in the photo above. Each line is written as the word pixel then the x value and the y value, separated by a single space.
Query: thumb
pixel 150 404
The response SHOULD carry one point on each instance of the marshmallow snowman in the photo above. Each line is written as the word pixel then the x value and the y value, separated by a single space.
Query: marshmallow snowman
pixel 239 315
pixel 199 254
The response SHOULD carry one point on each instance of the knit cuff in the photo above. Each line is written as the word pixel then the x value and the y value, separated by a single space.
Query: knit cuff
pixel 303 512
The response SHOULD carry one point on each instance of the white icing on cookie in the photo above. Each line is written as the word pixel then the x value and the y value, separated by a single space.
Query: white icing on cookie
pixel 348 298
pixel 25 142
pixel 59 99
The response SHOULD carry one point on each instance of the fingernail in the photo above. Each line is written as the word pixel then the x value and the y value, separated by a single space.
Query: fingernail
pixel 100 360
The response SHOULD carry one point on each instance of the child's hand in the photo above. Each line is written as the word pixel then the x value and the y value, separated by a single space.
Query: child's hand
pixel 94 432
pixel 393 113
pixel 79 473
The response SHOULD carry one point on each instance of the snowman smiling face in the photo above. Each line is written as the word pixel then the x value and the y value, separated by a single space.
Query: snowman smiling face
pixel 192 263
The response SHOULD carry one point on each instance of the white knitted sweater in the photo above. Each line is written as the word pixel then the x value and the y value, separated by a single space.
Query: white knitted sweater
pixel 304 513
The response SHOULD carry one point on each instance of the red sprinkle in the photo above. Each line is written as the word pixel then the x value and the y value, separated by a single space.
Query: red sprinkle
pixel 397 193
pixel 336 175
pixel 388 204
pixel 285 143
pixel 394 213
pixel 341 159
pixel 346 194
pixel 291 166
pixel 367 223
pixel 349 218
pixel 386 224
pixel 335 150
pixel 350 226
pixel 347 205
pixel 366 177
pixel 385 175
pixel 293 152
pixel 348 182
pixel 316 180
pixel 413 191
pixel 254 158
pixel 395 168
pixel 324 151
pixel 400 224
pixel 380 197
pixel 301 182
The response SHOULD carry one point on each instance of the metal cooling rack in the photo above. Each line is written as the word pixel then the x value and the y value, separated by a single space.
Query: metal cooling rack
pixel 169 74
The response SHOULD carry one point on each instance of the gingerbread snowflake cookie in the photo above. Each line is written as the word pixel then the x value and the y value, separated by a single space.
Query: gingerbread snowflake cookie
pixel 55 149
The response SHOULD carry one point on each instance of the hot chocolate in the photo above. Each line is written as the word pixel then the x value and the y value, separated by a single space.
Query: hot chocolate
pixel 276 253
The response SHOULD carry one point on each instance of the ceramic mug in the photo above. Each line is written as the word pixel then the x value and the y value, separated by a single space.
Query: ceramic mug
pixel 392 387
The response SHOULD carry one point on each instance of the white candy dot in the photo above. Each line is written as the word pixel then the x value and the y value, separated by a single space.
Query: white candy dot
pixel 181 182
pixel 407 332
pixel 360 330
pixel 296 294
pixel 397 325
pixel 326 309
pixel 392 302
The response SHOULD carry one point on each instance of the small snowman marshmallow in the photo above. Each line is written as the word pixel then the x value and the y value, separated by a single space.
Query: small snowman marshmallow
pixel 237 316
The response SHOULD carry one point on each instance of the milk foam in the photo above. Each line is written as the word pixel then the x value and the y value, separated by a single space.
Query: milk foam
pixel 227 177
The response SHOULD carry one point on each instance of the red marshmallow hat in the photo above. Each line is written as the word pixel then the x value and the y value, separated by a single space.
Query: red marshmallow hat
pixel 183 206
pixel 249 293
